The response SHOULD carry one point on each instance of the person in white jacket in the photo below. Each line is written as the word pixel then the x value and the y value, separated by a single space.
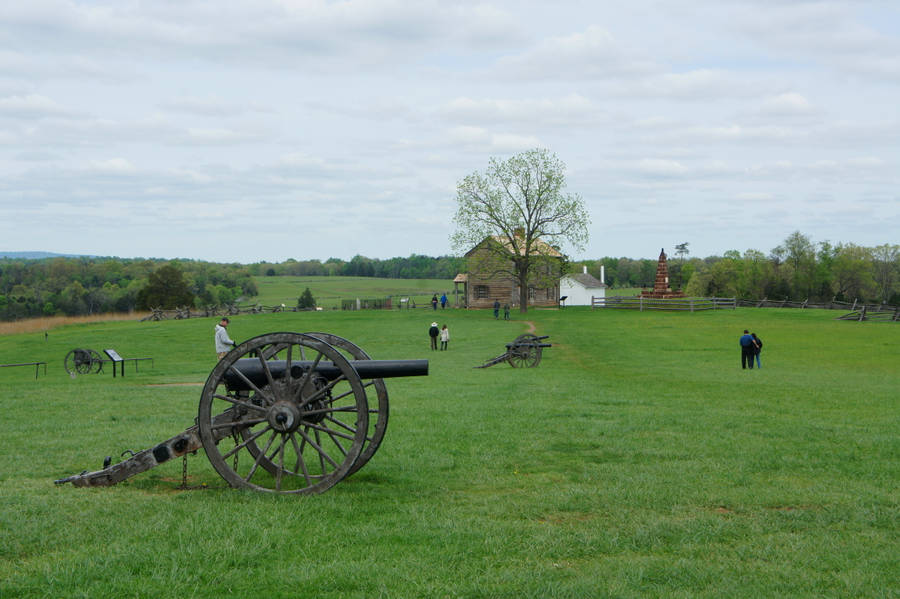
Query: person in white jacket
pixel 445 337
pixel 223 341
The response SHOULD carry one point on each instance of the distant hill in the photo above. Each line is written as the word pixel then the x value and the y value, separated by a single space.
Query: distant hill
pixel 34 255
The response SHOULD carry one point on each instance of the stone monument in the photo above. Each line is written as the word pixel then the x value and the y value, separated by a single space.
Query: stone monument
pixel 661 289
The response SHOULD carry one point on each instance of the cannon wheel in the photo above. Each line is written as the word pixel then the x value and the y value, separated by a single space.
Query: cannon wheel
pixel 97 361
pixel 304 431
pixel 378 409
pixel 525 352
pixel 82 361
pixel 378 406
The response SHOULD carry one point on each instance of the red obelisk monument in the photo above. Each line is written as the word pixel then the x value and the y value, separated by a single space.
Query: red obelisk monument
pixel 661 289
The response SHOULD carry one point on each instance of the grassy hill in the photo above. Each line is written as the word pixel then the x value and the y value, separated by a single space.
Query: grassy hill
pixel 638 459
pixel 329 291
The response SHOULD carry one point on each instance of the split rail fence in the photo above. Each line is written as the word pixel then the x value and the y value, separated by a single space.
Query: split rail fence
pixel 682 304
pixel 857 311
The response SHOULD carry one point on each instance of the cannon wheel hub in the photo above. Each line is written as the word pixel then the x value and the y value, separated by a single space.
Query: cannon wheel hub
pixel 284 417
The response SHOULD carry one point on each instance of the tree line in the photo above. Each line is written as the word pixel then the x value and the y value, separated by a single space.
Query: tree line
pixel 82 286
pixel 414 267
pixel 797 269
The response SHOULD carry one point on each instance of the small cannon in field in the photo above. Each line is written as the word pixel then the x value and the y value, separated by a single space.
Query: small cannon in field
pixel 282 412
pixel 83 361
pixel 524 352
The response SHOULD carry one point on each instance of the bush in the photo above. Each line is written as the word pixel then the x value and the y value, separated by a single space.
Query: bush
pixel 306 301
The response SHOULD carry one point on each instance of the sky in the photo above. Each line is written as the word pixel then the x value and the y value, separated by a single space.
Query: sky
pixel 263 130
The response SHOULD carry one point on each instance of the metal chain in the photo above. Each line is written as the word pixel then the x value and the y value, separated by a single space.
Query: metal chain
pixel 184 472
pixel 237 441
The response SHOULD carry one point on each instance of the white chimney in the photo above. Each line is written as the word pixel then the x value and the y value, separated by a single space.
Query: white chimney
pixel 602 274
pixel 585 268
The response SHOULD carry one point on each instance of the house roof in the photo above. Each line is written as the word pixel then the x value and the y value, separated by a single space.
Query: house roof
pixel 539 246
pixel 461 278
pixel 588 281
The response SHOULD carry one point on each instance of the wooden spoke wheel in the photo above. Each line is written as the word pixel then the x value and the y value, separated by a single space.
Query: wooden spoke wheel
pixel 97 359
pixel 378 405
pixel 82 361
pixel 525 351
pixel 295 408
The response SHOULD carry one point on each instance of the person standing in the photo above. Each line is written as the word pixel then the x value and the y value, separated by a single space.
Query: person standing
pixel 747 350
pixel 505 311
pixel 223 341
pixel 757 349
pixel 496 309
pixel 433 332
pixel 445 337
pixel 434 302
pixel 443 301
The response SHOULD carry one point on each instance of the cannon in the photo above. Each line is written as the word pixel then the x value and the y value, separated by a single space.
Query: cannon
pixel 290 413
pixel 83 361
pixel 524 352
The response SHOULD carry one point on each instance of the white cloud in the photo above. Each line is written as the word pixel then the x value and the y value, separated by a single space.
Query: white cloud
pixel 568 110
pixel 31 106
pixel 113 166
pixel 590 54
pixel 790 103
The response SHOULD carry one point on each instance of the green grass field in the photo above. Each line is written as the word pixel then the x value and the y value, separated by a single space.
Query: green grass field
pixel 329 291
pixel 638 460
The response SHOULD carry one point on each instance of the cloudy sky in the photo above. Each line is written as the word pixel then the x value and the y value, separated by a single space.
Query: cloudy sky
pixel 249 130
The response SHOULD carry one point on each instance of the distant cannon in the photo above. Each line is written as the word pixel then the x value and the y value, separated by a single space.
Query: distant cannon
pixel 284 413
pixel 524 352
pixel 83 361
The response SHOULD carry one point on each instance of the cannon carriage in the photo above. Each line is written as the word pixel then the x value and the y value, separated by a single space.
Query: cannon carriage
pixel 83 361
pixel 525 351
pixel 291 413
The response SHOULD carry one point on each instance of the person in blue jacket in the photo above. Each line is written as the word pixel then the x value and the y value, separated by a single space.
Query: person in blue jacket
pixel 748 350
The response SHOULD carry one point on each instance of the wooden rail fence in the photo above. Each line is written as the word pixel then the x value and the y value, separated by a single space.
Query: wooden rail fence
pixel 680 304
pixel 857 311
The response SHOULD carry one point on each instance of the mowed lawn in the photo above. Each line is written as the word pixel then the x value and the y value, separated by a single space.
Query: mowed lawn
pixel 637 459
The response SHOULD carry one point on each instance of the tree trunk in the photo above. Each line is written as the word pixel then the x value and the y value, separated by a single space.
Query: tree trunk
pixel 523 290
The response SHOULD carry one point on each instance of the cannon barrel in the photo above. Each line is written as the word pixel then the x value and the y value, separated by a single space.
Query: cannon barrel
pixel 252 370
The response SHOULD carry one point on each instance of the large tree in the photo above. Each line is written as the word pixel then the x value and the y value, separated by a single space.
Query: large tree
pixel 519 211
pixel 166 289
pixel 887 265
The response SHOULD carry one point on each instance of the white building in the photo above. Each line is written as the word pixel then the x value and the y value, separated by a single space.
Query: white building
pixel 578 288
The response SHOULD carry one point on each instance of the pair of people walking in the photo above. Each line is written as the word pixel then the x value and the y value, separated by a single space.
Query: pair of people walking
pixel 751 346
pixel 443 333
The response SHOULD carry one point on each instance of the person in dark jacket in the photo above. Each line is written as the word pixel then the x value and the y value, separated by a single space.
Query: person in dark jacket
pixel 748 349
pixel 433 332
pixel 757 348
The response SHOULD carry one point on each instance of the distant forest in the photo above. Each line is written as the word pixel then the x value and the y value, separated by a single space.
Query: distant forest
pixel 797 269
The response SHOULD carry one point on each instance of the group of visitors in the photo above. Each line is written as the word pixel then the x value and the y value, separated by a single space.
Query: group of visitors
pixel 497 310
pixel 434 301
pixel 751 346
pixel 444 334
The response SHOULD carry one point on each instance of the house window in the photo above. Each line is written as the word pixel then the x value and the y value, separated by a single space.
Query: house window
pixel 481 291
pixel 532 293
